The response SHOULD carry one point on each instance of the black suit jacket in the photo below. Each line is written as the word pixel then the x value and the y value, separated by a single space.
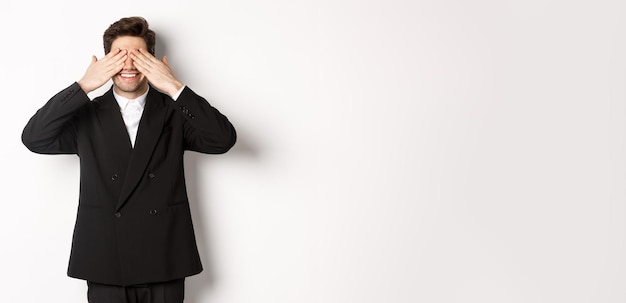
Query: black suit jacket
pixel 133 222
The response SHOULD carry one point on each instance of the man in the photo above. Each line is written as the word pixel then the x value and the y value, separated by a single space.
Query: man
pixel 133 239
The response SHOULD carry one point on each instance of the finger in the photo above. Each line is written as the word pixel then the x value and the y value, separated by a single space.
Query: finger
pixel 120 55
pixel 114 71
pixel 137 56
pixel 111 67
pixel 120 59
pixel 147 56
pixel 142 63
pixel 116 63
pixel 167 64
pixel 141 66
pixel 114 57
pixel 117 68
pixel 145 53
pixel 112 53
pixel 119 62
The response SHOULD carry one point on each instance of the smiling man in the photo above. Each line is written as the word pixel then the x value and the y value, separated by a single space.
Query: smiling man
pixel 133 239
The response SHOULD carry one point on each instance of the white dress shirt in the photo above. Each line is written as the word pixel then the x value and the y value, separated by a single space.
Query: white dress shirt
pixel 132 109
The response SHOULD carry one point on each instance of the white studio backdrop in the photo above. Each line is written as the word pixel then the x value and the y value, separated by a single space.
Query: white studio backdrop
pixel 389 151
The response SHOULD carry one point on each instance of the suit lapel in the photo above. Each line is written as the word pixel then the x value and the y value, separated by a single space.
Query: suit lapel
pixel 148 134
pixel 113 130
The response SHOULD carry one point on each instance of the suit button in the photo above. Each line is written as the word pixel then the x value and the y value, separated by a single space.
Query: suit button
pixel 153 212
pixel 114 177
pixel 151 175
pixel 118 215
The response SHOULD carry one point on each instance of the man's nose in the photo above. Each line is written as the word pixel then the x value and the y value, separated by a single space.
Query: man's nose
pixel 129 64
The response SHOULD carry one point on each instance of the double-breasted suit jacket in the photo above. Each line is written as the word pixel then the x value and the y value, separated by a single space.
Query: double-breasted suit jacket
pixel 133 222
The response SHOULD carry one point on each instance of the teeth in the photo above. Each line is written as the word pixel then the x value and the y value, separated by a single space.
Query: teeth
pixel 127 75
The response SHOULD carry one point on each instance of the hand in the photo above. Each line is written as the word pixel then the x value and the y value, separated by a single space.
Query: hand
pixel 157 71
pixel 101 71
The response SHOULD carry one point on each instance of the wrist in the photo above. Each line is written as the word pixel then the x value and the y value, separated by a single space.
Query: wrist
pixel 84 86
pixel 175 89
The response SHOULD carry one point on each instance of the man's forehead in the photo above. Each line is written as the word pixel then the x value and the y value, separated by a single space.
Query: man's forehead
pixel 124 42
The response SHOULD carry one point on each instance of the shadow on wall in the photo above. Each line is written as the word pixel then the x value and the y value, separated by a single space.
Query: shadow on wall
pixel 196 167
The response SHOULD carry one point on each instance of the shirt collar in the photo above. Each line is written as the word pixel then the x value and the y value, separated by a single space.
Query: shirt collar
pixel 123 102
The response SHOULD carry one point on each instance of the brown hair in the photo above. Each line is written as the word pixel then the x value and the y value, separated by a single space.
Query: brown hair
pixel 130 26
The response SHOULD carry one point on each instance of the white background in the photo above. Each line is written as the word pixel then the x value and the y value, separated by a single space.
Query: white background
pixel 389 151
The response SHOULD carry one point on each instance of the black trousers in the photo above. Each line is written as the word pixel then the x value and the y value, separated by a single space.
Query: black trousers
pixel 166 292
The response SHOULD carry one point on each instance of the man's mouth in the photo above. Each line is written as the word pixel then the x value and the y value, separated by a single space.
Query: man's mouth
pixel 128 76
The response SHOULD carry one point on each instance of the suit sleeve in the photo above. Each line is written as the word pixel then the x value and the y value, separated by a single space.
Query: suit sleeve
pixel 206 129
pixel 52 130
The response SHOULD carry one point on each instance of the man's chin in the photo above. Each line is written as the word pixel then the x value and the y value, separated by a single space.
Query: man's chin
pixel 129 88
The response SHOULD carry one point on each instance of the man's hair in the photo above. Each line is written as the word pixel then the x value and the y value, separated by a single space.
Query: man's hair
pixel 130 26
